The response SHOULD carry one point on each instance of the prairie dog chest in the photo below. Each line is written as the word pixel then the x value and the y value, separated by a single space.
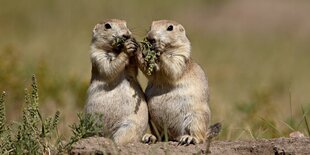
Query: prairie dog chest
pixel 171 102
pixel 107 97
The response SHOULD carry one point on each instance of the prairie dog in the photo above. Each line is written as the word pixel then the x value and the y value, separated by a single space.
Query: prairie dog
pixel 177 92
pixel 114 90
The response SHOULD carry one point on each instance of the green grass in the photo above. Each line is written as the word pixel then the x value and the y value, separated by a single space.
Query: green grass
pixel 306 120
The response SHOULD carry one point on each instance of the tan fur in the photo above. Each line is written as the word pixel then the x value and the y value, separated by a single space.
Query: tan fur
pixel 114 90
pixel 177 92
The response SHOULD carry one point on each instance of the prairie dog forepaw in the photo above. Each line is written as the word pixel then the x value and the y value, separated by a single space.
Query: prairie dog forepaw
pixel 130 47
pixel 149 139
pixel 187 139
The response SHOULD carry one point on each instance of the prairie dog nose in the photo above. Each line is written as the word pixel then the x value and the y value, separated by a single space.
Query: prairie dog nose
pixel 126 36
pixel 150 37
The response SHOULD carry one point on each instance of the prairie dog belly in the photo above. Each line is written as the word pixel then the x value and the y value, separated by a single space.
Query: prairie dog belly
pixel 170 109
pixel 114 104
pixel 175 107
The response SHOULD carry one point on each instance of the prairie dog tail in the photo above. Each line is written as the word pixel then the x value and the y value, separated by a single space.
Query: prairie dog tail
pixel 214 130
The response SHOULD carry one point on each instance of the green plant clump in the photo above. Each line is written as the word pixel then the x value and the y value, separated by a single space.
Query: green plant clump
pixel 5 137
pixel 33 135
pixel 88 125
pixel 2 113
pixel 36 135
pixel 150 56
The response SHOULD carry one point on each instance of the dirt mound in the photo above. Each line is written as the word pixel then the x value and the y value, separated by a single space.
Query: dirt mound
pixel 279 146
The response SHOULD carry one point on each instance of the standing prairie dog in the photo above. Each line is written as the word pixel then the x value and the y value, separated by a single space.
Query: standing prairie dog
pixel 114 90
pixel 177 92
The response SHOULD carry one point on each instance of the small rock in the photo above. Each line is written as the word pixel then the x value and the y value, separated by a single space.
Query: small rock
pixel 296 134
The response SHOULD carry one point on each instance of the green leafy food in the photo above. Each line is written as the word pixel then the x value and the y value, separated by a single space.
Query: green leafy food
pixel 150 56
pixel 118 42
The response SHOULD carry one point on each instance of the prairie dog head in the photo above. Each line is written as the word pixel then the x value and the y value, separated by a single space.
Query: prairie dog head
pixel 107 31
pixel 167 35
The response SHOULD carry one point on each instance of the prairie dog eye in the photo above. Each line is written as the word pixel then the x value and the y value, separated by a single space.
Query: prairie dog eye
pixel 170 28
pixel 107 26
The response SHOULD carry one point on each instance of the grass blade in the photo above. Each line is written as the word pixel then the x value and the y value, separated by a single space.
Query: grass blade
pixel 287 125
pixel 272 126
pixel 305 119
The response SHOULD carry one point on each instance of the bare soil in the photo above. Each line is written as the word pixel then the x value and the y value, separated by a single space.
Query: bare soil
pixel 278 146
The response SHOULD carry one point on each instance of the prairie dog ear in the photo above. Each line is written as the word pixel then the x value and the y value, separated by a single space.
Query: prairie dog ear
pixel 153 23
pixel 181 28
pixel 96 28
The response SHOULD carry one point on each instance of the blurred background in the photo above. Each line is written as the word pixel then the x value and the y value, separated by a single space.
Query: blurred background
pixel 255 52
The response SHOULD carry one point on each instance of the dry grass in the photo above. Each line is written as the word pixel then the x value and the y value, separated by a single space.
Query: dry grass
pixel 255 53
